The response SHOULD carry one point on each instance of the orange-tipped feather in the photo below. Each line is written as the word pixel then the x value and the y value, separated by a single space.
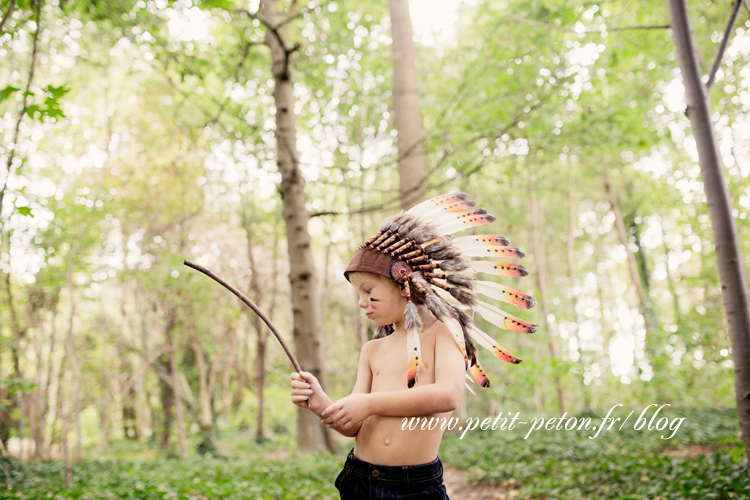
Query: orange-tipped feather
pixel 479 376
pixel 492 251
pixel 491 345
pixel 438 204
pixel 499 268
pixel 502 319
pixel 460 225
pixel 411 373
pixel 504 294
pixel 481 239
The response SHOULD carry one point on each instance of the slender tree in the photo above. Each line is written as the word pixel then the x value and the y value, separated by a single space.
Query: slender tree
pixel 731 270
pixel 408 118
pixel 307 330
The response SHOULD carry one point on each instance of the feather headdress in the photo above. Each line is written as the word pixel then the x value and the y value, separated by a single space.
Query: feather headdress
pixel 417 250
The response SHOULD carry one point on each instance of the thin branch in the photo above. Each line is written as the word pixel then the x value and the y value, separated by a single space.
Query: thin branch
pixel 7 13
pixel 581 32
pixel 723 45
pixel 274 29
pixel 252 306
pixel 24 105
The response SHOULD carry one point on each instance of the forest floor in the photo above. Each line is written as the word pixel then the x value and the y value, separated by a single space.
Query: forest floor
pixel 458 486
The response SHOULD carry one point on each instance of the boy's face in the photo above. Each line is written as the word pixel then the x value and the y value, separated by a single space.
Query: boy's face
pixel 382 305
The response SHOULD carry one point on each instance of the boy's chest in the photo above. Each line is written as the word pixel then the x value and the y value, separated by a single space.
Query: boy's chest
pixel 389 365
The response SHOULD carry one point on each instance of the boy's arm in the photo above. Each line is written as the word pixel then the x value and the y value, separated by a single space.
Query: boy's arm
pixel 442 396
pixel 305 385
pixel 362 386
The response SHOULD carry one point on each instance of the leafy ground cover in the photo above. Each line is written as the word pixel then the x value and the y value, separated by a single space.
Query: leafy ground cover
pixel 193 479
pixel 704 460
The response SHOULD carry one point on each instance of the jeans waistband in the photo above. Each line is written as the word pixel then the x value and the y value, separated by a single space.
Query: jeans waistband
pixel 395 474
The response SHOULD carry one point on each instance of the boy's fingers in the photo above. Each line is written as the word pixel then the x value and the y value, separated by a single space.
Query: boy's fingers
pixel 333 407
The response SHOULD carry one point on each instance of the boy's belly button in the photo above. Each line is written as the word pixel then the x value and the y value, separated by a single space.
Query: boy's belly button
pixel 387 440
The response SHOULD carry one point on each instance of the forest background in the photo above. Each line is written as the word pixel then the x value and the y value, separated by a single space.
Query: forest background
pixel 138 134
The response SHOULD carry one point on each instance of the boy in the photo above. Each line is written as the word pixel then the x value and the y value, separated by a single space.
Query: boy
pixel 380 399
pixel 400 289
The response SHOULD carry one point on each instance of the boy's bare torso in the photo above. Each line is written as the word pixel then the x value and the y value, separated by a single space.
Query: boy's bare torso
pixel 380 439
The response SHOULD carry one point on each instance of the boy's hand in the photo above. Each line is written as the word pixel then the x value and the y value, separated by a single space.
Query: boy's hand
pixel 304 386
pixel 347 411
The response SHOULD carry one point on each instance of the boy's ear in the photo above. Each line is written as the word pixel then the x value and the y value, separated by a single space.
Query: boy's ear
pixel 403 291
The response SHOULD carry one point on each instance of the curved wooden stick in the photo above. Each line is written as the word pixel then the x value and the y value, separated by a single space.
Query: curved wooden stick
pixel 252 306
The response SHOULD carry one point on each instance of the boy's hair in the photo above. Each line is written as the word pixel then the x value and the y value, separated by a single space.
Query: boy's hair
pixel 356 278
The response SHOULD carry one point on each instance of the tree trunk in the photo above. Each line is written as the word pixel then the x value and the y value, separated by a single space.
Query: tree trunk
pixel 58 406
pixel 105 417
pixel 654 341
pixel 407 116
pixel 671 282
pixel 167 401
pixel 18 335
pixel 572 224
pixel 171 323
pixel 226 375
pixel 541 275
pixel 64 436
pixel 43 399
pixel 76 374
pixel 141 392
pixel 206 383
pixel 731 270
pixel 308 337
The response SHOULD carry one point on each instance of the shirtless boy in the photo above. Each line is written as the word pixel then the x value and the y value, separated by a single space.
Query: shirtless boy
pixel 408 285
pixel 380 399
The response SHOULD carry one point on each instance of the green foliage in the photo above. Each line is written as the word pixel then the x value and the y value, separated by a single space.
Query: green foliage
pixel 25 211
pixel 13 385
pixel 293 478
pixel 7 92
pixel 704 459
pixel 51 108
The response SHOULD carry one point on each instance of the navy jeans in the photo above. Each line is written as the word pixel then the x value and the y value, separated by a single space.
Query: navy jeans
pixel 360 480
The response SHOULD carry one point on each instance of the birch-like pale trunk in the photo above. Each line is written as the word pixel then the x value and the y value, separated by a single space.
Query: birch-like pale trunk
pixel 731 270
pixel 44 386
pixel 171 323
pixel 308 331
pixel 407 116
pixel 541 276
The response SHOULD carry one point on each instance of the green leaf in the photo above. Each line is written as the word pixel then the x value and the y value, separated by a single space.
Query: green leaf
pixel 25 211
pixel 7 92
pixel 56 92
pixel 32 110
pixel 220 4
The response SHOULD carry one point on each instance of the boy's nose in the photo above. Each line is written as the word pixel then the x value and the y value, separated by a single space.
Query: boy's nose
pixel 362 303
